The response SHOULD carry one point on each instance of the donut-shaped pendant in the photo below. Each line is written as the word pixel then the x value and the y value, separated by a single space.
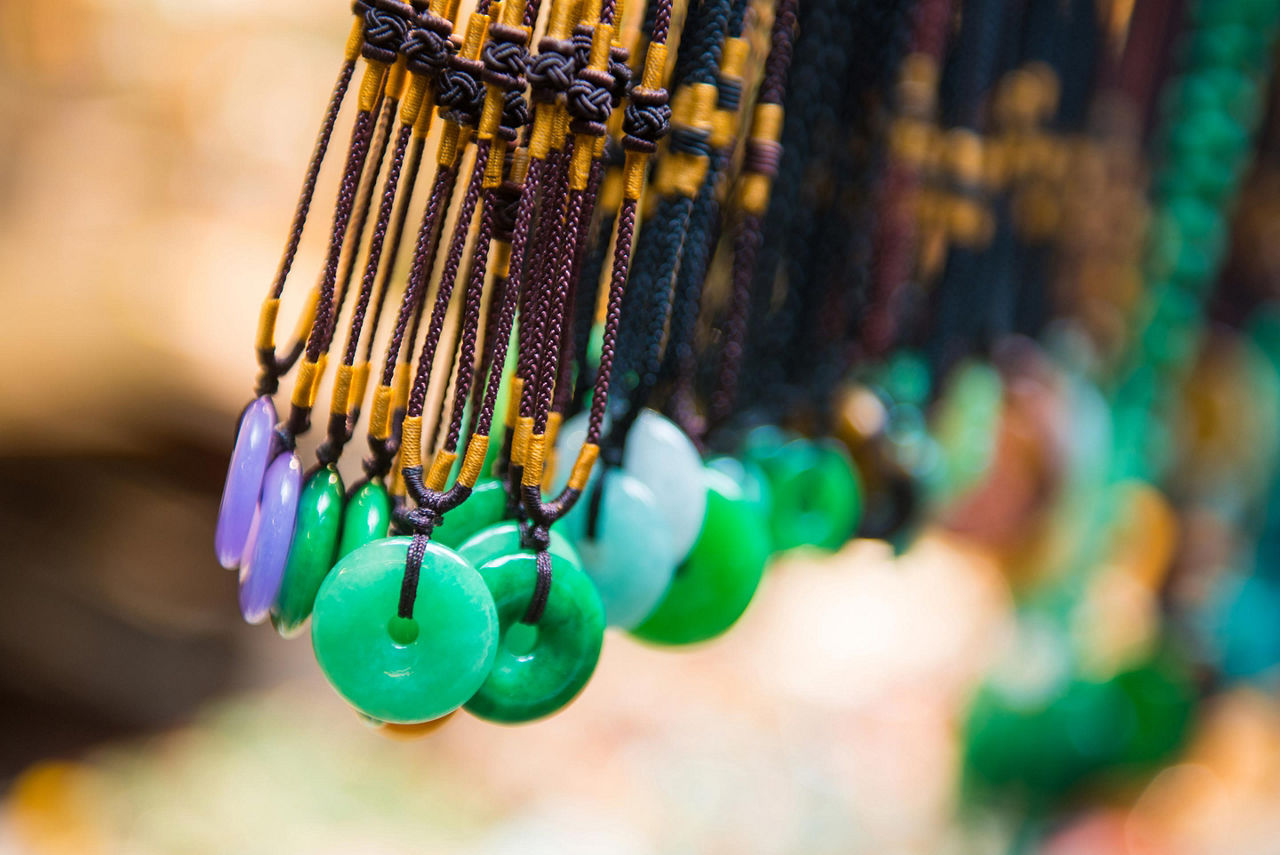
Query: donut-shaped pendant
pixel 504 539
pixel 486 506
pixel 539 669
pixel 715 584
pixel 253 451
pixel 311 557
pixel 404 670
pixel 666 461
pixel 817 499
pixel 629 556
pixel 270 537
pixel 366 518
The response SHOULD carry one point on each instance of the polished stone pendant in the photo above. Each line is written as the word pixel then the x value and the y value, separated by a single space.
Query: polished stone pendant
pixel 366 518
pixel 404 670
pixel 311 557
pixel 750 479
pixel 817 498
pixel 255 444
pixel 270 537
pixel 539 669
pixel 629 555
pixel 717 581
pixel 485 507
pixel 666 461
pixel 504 539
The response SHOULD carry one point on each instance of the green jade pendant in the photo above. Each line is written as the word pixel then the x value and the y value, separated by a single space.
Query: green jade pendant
pixel 397 670
pixel 366 519
pixel 485 507
pixel 716 583
pixel 539 669
pixel 503 539
pixel 817 497
pixel 311 556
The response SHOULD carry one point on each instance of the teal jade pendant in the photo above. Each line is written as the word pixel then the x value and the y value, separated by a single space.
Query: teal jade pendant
pixel 717 581
pixel 404 671
pixel 630 555
pixel 539 669
pixel 817 496
pixel 485 507
pixel 665 460
pixel 367 517
pixel 311 556
pixel 503 539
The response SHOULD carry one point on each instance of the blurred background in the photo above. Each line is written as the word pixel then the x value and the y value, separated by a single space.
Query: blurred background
pixel 150 152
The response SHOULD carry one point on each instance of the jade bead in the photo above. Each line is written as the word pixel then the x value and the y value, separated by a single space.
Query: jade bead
pixel 504 539
pixel 716 583
pixel 366 518
pixel 630 556
pixel 311 556
pixel 404 671
pixel 817 497
pixel 539 670
pixel 485 507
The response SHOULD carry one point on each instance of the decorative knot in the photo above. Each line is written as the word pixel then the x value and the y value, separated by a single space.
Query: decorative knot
pixel 515 114
pixel 552 71
pixel 647 120
pixel 461 92
pixel 385 25
pixel 620 71
pixel 590 101
pixel 427 46
pixel 505 57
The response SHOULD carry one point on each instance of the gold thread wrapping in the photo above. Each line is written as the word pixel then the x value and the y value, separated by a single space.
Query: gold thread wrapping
pixel 302 394
pixel 520 442
pixel 633 171
pixel 341 390
pixel 371 85
pixel 308 316
pixel 534 460
pixel 583 465
pixel 513 401
pixel 359 385
pixel 379 417
pixel 397 79
pixel 400 382
pixel 267 324
pixel 355 40
pixel 473 463
pixel 501 258
pixel 411 442
pixel 440 467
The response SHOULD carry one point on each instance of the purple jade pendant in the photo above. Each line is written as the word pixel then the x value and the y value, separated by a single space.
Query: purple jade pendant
pixel 255 447
pixel 270 537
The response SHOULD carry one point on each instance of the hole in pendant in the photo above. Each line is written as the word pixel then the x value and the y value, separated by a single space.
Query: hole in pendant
pixel 403 631
pixel 521 639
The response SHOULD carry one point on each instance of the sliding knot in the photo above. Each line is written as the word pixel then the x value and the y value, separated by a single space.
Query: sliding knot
pixel 620 71
pixel 461 92
pixel 590 101
pixel 647 119
pixel 552 71
pixel 535 537
pixel 505 57
pixel 582 35
pixel 384 30
pixel 515 114
pixel 427 46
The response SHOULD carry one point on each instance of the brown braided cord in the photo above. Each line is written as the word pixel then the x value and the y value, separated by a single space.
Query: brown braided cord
pixel 274 365
pixel 388 271
pixel 448 278
pixel 423 260
pixel 360 219
pixel 474 300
